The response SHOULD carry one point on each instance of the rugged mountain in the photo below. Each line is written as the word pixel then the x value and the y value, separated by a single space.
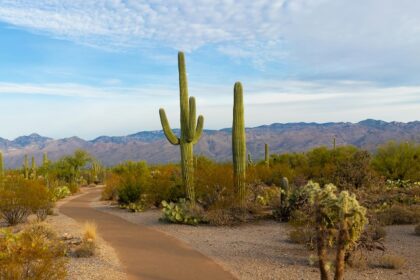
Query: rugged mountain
pixel 154 148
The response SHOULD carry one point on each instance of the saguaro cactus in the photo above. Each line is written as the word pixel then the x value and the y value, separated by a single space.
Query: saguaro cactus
pixel 45 160
pixel 191 129
pixel 33 168
pixel 267 155
pixel 239 144
pixel 26 167
pixel 1 165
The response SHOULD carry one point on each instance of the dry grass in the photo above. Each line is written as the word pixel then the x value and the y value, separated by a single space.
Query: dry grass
pixel 90 231
pixel 392 261
pixel 417 230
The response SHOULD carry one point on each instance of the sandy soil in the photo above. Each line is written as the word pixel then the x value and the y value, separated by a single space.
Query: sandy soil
pixel 263 251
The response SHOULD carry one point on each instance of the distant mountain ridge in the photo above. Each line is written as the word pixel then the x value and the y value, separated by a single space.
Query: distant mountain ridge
pixel 154 148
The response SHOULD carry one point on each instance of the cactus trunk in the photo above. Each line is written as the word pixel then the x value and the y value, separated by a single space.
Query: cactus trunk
pixel 191 129
pixel 239 145
pixel 25 167
pixel 266 155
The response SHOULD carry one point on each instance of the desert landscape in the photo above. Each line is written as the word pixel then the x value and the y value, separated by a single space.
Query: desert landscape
pixel 279 167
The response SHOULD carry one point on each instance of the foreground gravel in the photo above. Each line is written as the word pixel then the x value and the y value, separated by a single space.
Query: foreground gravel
pixel 263 251
pixel 104 265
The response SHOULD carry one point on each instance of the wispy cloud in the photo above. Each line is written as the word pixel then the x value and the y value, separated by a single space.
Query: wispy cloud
pixel 373 39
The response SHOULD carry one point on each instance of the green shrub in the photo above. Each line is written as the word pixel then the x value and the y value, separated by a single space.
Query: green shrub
pixel 181 213
pixel 134 179
pixel 60 192
pixel 166 184
pixel 33 254
pixel 399 215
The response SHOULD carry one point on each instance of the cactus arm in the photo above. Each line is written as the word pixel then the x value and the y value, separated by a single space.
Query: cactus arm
pixel 172 138
pixel 191 120
pixel 199 129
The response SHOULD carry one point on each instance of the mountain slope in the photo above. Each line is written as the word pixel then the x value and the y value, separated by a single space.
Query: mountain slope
pixel 154 148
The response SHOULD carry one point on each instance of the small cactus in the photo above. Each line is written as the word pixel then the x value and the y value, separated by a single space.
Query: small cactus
pixel 26 167
pixel 1 165
pixel 267 155
pixel 33 168
pixel 284 194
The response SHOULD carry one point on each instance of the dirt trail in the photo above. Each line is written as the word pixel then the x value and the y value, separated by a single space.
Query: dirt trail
pixel 144 252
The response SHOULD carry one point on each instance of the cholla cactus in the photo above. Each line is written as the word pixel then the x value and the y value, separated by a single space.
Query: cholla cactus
pixel 342 212
pixel 239 145
pixel 191 129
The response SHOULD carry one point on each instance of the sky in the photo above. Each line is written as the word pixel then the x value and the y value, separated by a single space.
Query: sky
pixel 88 68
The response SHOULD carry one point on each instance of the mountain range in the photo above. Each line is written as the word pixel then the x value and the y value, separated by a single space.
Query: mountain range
pixel 154 148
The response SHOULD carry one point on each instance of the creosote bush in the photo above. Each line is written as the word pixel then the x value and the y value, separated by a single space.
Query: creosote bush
pixel 32 254
pixel 21 197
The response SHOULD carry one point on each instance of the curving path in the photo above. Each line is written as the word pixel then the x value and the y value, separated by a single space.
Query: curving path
pixel 144 252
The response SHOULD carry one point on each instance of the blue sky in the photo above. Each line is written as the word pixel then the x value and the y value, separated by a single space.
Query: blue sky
pixel 90 68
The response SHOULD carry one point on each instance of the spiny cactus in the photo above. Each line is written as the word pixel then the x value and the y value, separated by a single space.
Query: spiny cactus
pixel 267 155
pixel 239 144
pixel 26 167
pixel 33 168
pixel 250 162
pixel 45 160
pixel 334 143
pixel 191 129
pixel 284 195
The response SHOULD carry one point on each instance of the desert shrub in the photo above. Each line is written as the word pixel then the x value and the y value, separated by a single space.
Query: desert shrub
pixel 20 197
pixel 399 215
pixel 88 247
pixel 417 230
pixel 304 236
pixel 165 184
pixel 214 184
pixel 181 213
pixel 110 192
pixel 392 261
pixel 398 161
pixel 134 178
pixel 32 254
pixel 220 217
pixel 60 192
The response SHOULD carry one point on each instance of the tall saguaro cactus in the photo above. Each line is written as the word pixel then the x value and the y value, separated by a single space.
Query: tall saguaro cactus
pixel 1 165
pixel 267 155
pixel 33 168
pixel 239 144
pixel 26 167
pixel 191 129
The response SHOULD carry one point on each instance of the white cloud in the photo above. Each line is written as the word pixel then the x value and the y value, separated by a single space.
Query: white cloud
pixel 370 39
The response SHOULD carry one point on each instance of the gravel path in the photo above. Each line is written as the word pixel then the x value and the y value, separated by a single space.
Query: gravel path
pixel 262 250
pixel 145 253
pixel 104 265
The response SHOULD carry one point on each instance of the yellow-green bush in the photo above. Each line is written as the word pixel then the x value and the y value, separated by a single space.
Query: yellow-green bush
pixel 21 197
pixel 32 254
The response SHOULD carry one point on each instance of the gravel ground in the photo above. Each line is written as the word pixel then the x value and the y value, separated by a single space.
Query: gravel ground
pixel 103 266
pixel 262 250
